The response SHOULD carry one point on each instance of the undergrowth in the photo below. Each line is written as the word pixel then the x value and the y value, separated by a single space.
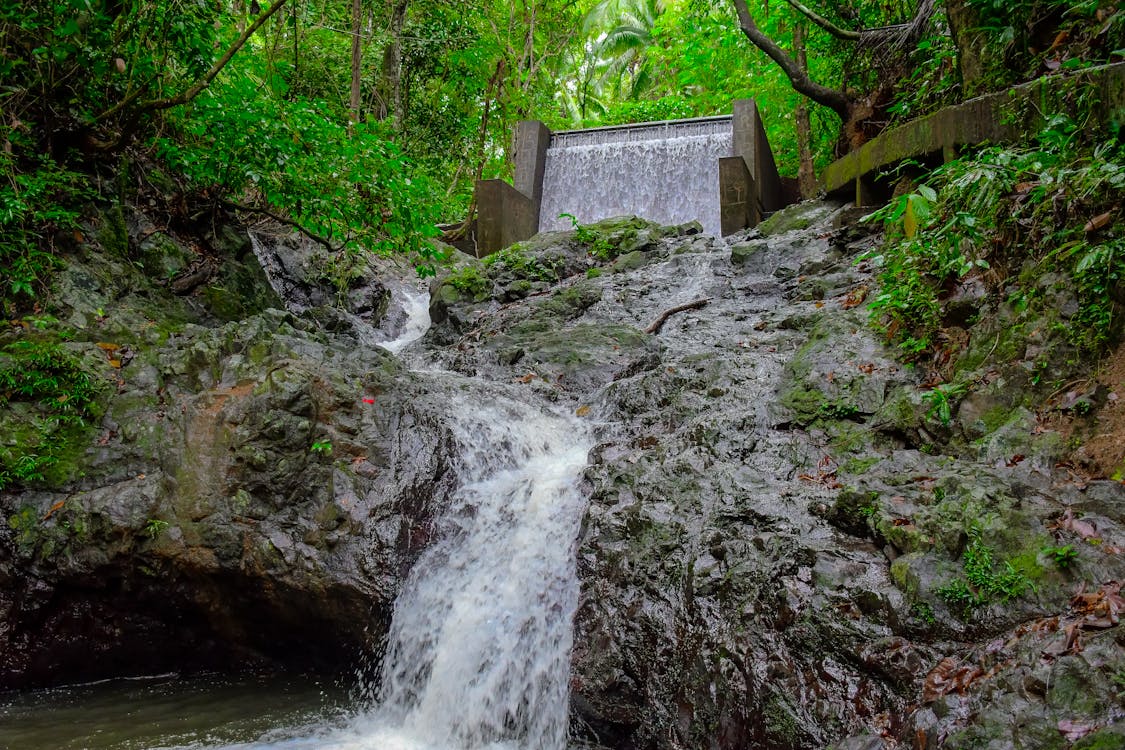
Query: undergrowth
pixel 48 399
pixel 1008 215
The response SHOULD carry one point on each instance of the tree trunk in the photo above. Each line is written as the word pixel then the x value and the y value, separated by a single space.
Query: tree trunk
pixel 357 57
pixel 806 172
pixel 392 104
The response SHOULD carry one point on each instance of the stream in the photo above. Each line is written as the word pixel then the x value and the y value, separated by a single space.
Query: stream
pixel 478 652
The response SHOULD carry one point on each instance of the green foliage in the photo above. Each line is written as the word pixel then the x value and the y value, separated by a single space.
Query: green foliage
pixel 322 447
pixel 1062 556
pixel 36 206
pixel 522 265
pixel 56 399
pixel 349 185
pixel 982 582
pixel 941 400
pixel 1018 212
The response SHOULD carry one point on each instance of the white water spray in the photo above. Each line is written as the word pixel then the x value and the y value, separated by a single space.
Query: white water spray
pixel 668 174
pixel 478 652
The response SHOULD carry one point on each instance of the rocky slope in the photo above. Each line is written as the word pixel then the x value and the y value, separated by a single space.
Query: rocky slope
pixel 787 544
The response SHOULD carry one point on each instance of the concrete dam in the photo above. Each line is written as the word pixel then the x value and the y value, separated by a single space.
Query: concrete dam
pixel 719 171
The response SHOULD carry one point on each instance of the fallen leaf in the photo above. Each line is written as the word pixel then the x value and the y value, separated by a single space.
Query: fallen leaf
pixel 368 400
pixel 855 298
pixel 105 347
pixel 1099 222
pixel 53 508
pixel 949 676
pixel 583 410
pixel 819 304
pixel 527 378
pixel 115 363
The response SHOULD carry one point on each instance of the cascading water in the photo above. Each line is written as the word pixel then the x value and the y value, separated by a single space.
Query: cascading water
pixel 479 647
pixel 668 173
pixel 478 652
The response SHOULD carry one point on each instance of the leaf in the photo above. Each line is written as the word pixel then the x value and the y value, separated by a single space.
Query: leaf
pixel 1099 222
pixel 583 410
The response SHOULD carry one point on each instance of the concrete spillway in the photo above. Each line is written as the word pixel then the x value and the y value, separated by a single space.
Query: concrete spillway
pixel 665 172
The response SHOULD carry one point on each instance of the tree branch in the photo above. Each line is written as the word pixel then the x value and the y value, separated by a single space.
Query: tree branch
pixel 282 220
pixel 835 100
pixel 846 34
pixel 663 317
pixel 188 94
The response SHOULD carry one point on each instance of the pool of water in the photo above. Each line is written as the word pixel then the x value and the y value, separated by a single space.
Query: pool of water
pixel 169 711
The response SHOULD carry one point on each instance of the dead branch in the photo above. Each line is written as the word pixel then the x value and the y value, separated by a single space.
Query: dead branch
pixel 287 222
pixel 663 317
pixel 846 34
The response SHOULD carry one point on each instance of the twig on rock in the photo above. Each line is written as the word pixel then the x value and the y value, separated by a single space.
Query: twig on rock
pixel 660 321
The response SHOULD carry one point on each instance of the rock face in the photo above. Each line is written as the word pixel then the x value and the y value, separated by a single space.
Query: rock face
pixel 788 543
pixel 786 546
pixel 252 493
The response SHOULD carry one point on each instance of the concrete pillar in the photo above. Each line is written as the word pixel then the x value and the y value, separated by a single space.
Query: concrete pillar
pixel 738 196
pixel 751 144
pixel 504 216
pixel 530 156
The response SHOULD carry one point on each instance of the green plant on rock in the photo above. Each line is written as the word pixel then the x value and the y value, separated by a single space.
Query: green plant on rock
pixel 983 580
pixel 471 283
pixel 1063 557
pixel 522 265
pixel 154 527
pixel 1011 215
pixel 322 447
pixel 941 400
pixel 57 398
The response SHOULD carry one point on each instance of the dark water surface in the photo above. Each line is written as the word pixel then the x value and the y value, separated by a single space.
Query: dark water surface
pixel 168 711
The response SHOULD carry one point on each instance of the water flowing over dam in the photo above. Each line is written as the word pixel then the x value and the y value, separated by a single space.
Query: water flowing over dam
pixel 667 172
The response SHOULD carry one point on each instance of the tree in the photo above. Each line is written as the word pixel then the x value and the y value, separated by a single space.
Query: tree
pixel 853 108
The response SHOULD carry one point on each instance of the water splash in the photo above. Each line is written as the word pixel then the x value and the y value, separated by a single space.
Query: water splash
pixel 415 317
pixel 667 176
pixel 478 652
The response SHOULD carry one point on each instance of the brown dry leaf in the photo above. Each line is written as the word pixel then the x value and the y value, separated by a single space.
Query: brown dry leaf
pixel 115 364
pixel 583 410
pixel 819 304
pixel 867 368
pixel 855 297
pixel 106 347
pixel 1068 522
pixel 1100 609
pixel 51 511
pixel 949 676
pixel 527 378
pixel 1101 221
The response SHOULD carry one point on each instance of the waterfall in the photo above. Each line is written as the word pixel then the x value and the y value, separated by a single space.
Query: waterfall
pixel 478 652
pixel 479 647
pixel 666 172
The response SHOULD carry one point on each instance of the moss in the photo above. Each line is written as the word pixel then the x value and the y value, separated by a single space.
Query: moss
pixel 780 722
pixel 859 465
pixel 469 283
pixel 1110 738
